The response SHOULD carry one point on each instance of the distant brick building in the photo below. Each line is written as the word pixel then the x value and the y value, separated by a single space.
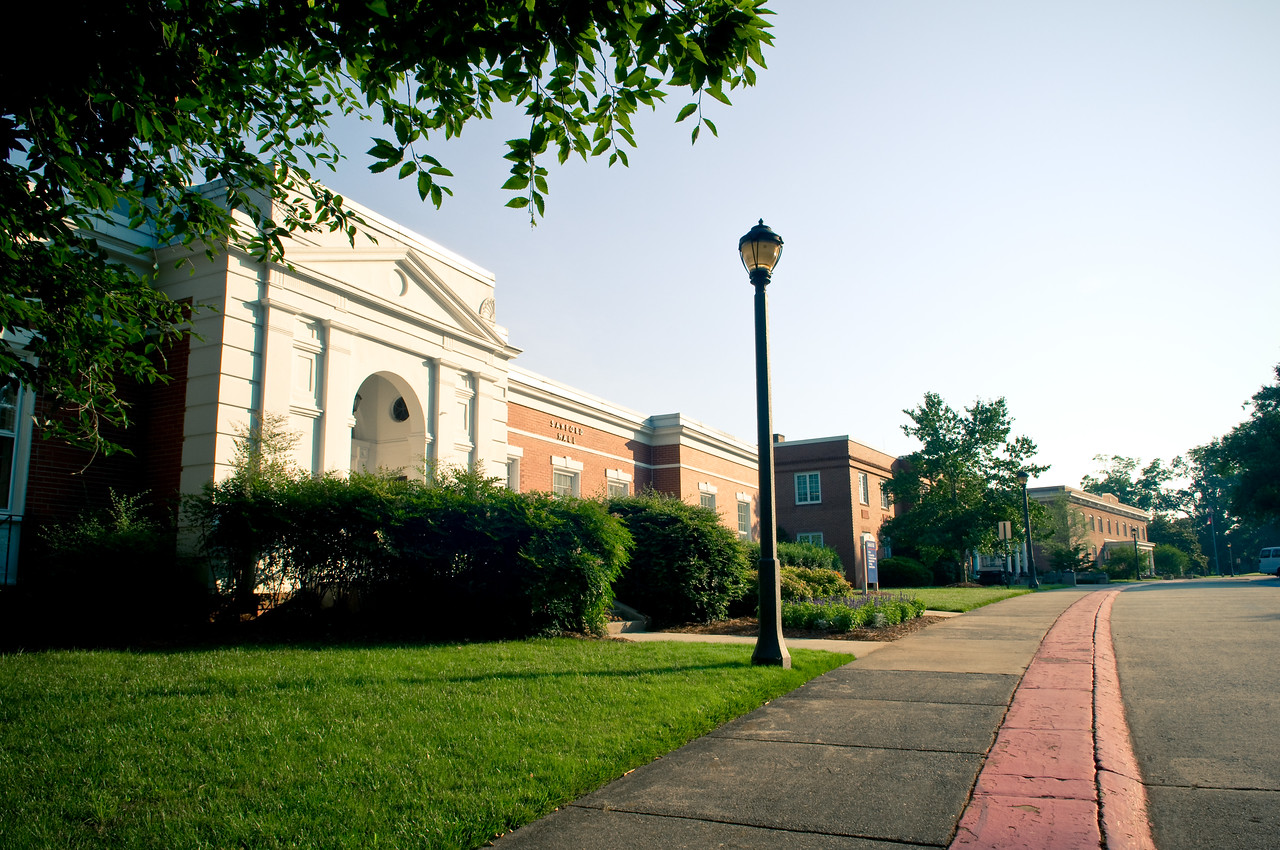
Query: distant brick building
pixel 830 491
pixel 1108 523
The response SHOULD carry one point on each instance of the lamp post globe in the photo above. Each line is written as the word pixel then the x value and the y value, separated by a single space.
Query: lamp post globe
pixel 760 250
pixel 1032 581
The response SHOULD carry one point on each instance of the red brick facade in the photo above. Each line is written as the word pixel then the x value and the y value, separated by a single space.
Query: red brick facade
pixel 840 514
pixel 63 481
pixel 552 428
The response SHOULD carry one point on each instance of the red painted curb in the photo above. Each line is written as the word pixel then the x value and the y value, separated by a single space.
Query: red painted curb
pixel 1122 797
pixel 1062 771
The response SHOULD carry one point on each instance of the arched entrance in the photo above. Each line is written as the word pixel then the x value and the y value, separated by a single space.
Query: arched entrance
pixel 390 430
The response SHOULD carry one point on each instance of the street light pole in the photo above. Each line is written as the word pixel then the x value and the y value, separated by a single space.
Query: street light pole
pixel 1032 581
pixel 760 250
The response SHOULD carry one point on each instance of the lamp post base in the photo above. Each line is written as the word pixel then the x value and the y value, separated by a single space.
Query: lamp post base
pixel 770 650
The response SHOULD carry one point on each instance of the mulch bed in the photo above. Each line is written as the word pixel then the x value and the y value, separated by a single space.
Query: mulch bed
pixel 750 627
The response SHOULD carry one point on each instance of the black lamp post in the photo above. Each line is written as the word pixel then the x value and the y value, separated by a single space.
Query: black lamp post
pixel 760 250
pixel 1032 581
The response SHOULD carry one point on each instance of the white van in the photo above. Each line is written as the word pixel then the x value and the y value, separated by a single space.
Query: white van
pixel 1269 560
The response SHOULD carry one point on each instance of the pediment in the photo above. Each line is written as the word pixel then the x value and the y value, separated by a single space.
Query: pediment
pixel 406 283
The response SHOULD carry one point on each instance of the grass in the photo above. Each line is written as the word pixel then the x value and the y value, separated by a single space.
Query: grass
pixel 266 747
pixel 962 599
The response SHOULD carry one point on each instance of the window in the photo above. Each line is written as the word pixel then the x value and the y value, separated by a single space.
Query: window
pixel 814 537
pixel 564 483
pixel 513 474
pixel 864 492
pixel 884 496
pixel 707 494
pixel 10 395
pixel 744 520
pixel 1091 528
pixel 617 483
pixel 1108 526
pixel 566 475
pixel 808 489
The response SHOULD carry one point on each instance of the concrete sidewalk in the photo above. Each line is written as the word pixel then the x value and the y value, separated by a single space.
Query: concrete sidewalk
pixel 882 752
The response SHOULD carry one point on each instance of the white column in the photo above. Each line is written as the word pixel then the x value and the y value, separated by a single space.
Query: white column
pixel 337 396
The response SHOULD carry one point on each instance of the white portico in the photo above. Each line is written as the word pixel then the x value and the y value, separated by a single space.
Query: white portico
pixel 379 355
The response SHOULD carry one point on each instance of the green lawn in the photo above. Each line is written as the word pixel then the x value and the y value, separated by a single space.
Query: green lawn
pixel 347 746
pixel 961 598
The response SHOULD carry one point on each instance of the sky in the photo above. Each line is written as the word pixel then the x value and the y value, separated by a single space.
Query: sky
pixel 1073 206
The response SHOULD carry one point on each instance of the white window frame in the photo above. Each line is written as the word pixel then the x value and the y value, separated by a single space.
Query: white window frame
pixel 814 537
pixel 884 496
pixel 572 470
pixel 617 483
pixel 813 494
pixel 514 455
pixel 864 489
pixel 707 494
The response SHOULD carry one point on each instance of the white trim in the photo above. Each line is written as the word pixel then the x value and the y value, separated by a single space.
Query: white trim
pixel 707 487
pixel 566 464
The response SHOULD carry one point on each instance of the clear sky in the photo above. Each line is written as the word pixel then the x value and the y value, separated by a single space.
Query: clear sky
pixel 1071 205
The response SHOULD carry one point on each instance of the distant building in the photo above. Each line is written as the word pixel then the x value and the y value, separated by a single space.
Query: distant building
pixel 1108 524
pixel 830 491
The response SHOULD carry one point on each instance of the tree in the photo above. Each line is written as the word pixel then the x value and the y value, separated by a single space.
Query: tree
pixel 150 96
pixel 1178 533
pixel 1064 535
pixel 1250 457
pixel 1170 560
pixel 1149 490
pixel 961 482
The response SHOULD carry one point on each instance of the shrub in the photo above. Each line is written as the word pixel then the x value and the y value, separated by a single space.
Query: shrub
pixel 809 555
pixel 900 571
pixel 114 573
pixel 685 566
pixel 1170 560
pixel 460 556
pixel 849 613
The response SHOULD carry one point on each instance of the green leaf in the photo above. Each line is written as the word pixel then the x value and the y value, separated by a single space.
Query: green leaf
pixel 687 110
pixel 407 169
pixel 519 202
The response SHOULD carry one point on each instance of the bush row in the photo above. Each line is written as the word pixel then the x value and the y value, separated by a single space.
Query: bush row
pixel 457 555
pixel 849 613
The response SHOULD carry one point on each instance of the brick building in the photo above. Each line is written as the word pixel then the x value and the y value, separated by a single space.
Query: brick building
pixel 1108 524
pixel 383 354
pixel 566 441
pixel 829 491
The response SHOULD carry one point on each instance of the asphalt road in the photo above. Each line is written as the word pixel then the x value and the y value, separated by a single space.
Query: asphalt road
pixel 1199 666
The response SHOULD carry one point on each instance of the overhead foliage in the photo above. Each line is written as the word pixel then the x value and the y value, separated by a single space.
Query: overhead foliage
pixel 148 97
pixel 1149 489
pixel 961 482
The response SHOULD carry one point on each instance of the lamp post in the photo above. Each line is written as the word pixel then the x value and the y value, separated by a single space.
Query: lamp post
pixel 1231 565
pixel 760 250
pixel 1032 581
